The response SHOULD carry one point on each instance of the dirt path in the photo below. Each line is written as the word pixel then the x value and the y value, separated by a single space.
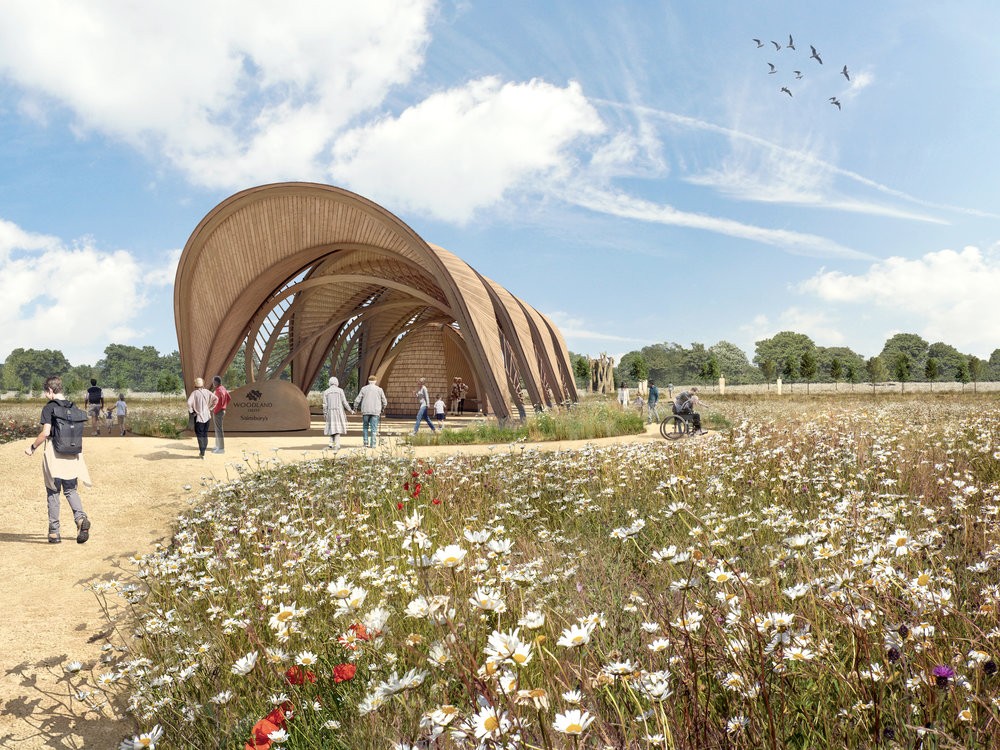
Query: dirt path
pixel 49 617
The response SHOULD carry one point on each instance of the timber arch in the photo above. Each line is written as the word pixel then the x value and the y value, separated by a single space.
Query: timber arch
pixel 300 274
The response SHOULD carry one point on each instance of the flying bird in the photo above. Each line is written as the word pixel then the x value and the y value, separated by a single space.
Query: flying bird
pixel 791 44
pixel 785 89
pixel 845 74
pixel 798 73
pixel 835 101
pixel 815 54
pixel 773 69
pixel 776 45
pixel 759 42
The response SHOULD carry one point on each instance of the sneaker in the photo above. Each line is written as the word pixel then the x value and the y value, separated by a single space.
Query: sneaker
pixel 55 539
pixel 83 531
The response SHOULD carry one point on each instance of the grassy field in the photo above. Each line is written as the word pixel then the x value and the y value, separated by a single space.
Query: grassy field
pixel 153 416
pixel 821 574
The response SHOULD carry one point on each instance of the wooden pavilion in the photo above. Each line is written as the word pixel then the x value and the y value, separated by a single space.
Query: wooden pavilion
pixel 320 274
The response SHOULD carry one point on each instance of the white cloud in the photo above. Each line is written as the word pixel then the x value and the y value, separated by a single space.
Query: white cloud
pixel 945 296
pixel 461 149
pixel 232 92
pixel 580 336
pixel 75 297
pixel 626 206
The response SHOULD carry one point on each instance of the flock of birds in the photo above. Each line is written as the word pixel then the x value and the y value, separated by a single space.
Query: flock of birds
pixel 798 73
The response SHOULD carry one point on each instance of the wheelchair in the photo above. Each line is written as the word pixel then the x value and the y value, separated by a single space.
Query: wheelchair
pixel 675 426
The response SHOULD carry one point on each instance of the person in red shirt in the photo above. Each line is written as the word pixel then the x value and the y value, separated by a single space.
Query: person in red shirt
pixel 219 413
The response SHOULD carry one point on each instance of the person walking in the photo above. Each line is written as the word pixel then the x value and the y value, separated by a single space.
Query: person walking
pixel 334 403
pixel 623 395
pixel 219 413
pixel 456 392
pixel 371 398
pixel 95 404
pixel 201 403
pixel 61 471
pixel 439 411
pixel 423 402
pixel 651 401
pixel 463 389
pixel 121 411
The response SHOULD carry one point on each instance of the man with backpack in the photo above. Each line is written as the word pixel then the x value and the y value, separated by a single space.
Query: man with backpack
pixel 62 462
pixel 95 405
pixel 685 405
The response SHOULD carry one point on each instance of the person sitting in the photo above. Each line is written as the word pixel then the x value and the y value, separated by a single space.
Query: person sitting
pixel 685 405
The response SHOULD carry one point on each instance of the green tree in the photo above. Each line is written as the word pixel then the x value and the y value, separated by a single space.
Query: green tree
pixel 24 365
pixel 733 363
pixel 826 354
pixel 948 359
pixel 807 367
pixel 977 371
pixel 790 369
pixel 931 371
pixel 783 345
pixel 995 365
pixel 901 368
pixel 836 371
pixel 876 371
pixel 769 369
pixel 710 371
pixel 910 344
pixel 581 369
pixel 633 367
pixel 168 382
pixel 853 374
pixel 962 374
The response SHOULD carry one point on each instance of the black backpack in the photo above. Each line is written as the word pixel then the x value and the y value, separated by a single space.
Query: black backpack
pixel 67 427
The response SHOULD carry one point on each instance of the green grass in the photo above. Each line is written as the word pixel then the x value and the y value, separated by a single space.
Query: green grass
pixel 593 418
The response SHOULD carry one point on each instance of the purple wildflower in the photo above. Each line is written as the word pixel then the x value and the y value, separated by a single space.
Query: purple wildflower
pixel 942 675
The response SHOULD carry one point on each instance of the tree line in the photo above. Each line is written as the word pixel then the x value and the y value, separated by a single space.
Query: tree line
pixel 128 368
pixel 794 357
pixel 121 368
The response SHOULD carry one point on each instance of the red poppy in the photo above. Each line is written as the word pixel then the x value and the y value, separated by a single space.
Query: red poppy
pixel 406 485
pixel 436 501
pixel 259 739
pixel 429 472
pixel 360 631
pixel 282 713
pixel 414 473
pixel 296 675
pixel 416 490
pixel 344 672
pixel 399 506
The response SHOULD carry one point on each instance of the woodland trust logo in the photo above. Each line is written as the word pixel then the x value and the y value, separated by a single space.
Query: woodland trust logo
pixel 254 407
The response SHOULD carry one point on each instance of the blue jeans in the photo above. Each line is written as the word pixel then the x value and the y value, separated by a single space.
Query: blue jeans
pixel 369 430
pixel 422 414
pixel 653 411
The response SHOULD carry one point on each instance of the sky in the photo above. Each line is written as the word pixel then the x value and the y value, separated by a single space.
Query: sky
pixel 631 169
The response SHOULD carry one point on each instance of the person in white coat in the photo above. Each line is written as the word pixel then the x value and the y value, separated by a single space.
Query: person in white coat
pixel 334 404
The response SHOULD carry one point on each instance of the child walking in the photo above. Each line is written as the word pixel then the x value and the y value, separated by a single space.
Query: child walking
pixel 439 409
pixel 121 411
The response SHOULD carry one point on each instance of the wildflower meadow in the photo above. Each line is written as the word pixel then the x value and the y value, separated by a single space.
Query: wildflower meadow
pixel 822 574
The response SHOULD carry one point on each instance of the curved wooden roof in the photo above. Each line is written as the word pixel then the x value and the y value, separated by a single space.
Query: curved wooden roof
pixel 341 277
